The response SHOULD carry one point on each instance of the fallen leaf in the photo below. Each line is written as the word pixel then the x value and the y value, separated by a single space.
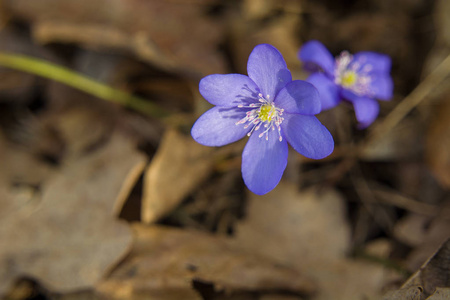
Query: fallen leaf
pixel 310 225
pixel 168 259
pixel 432 279
pixel 70 239
pixel 434 273
pixel 440 294
pixel 22 165
pixel 165 186
pixel 411 293
pixel 154 30
pixel 309 232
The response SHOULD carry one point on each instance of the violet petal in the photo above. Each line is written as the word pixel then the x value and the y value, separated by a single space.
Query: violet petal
pixel 307 136
pixel 267 68
pixel 228 90
pixel 299 97
pixel 263 162
pixel 328 90
pixel 315 56
pixel 217 126
pixel 366 109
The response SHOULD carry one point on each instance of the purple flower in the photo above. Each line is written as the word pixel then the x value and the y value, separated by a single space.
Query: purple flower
pixel 268 107
pixel 359 79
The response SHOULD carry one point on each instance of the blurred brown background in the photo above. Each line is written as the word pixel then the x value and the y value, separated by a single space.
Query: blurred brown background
pixel 100 201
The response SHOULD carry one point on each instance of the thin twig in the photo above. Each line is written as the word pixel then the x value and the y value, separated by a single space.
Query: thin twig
pixel 396 199
pixel 411 101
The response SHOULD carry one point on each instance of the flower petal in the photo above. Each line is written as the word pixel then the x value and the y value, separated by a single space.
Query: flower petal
pixel 228 90
pixel 263 162
pixel 315 55
pixel 366 109
pixel 307 136
pixel 217 127
pixel 328 90
pixel 378 62
pixel 299 97
pixel 382 86
pixel 267 68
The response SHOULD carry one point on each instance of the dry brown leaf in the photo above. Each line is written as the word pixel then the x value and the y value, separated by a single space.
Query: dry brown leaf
pixel 168 259
pixel 438 143
pixel 20 164
pixel 308 226
pixel 154 30
pixel 70 239
pixel 440 294
pixel 309 231
pixel 179 165
pixel 434 273
pixel 431 280
pixel 411 293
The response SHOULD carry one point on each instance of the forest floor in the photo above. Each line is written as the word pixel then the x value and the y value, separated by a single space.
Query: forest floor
pixel 105 195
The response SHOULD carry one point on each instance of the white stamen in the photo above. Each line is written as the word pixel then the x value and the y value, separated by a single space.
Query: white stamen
pixel 264 114
pixel 353 75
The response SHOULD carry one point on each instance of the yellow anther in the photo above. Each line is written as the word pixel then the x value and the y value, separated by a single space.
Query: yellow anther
pixel 349 78
pixel 266 112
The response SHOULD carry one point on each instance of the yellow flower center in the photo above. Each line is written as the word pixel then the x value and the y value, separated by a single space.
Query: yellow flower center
pixel 349 78
pixel 262 114
pixel 266 112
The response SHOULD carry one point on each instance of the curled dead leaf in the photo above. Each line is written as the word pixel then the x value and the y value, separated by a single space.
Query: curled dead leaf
pixel 179 165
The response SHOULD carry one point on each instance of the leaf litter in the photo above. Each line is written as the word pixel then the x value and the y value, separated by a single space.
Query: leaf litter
pixel 309 231
pixel 166 260
pixel 176 152
pixel 351 227
pixel 65 247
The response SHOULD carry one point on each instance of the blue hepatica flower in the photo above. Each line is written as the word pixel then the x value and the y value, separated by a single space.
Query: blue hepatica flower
pixel 359 79
pixel 268 107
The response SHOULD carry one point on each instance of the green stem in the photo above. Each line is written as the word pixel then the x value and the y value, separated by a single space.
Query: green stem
pixel 78 81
